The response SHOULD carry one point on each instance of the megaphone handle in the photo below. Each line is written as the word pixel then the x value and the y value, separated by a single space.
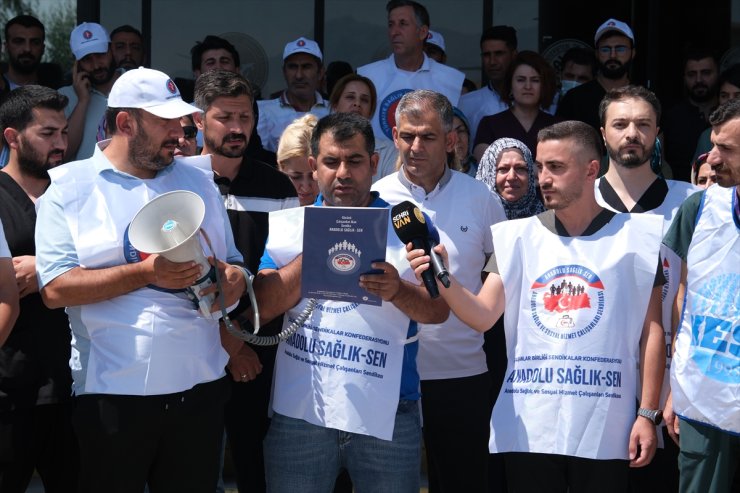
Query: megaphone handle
pixel 247 279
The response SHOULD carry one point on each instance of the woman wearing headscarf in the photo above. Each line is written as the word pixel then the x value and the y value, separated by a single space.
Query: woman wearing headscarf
pixel 507 168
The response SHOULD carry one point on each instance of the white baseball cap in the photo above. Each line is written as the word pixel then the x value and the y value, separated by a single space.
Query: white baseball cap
pixel 436 39
pixel 303 45
pixel 87 38
pixel 150 90
pixel 614 25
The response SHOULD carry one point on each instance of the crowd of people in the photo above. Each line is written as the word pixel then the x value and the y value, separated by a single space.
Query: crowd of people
pixel 582 333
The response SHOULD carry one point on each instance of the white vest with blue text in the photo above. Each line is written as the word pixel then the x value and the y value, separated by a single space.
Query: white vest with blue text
pixel 574 315
pixel 705 377
pixel 342 368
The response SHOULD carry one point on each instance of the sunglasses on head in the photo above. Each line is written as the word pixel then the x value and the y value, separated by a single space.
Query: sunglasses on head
pixel 190 131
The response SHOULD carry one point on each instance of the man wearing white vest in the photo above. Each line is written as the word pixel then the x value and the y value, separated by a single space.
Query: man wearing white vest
pixel 455 383
pixel 705 375
pixel 329 411
pixel 580 292
pixel 408 67
pixel 148 367
pixel 629 118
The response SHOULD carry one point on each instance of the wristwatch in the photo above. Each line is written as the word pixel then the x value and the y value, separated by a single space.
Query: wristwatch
pixel 654 415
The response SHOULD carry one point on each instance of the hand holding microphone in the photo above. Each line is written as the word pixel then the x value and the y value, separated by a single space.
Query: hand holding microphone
pixel 413 226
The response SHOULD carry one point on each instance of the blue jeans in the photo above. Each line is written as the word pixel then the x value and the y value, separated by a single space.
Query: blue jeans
pixel 300 456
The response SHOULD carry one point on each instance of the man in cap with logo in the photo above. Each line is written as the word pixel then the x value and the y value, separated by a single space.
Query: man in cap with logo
pixel 408 67
pixel 148 367
pixel 93 75
pixel 565 418
pixel 303 70
pixel 615 50
pixel 435 48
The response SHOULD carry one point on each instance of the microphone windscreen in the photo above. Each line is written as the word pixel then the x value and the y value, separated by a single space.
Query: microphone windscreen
pixel 408 221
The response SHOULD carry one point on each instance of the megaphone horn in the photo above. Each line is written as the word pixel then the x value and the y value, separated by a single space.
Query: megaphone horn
pixel 169 225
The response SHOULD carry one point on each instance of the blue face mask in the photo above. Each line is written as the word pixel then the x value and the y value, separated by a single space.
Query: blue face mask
pixel 567 85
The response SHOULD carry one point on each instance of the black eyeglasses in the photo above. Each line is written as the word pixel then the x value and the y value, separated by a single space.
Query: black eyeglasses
pixel 190 131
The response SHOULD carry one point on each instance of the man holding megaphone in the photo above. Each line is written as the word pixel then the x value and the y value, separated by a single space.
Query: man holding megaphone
pixel 148 367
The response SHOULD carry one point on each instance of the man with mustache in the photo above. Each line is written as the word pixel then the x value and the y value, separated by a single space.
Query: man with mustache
pixel 93 75
pixel 24 46
pixel 629 118
pixel 250 189
pixel 148 366
pixel 615 50
pixel 703 412
pixel 35 402
pixel 685 121
pixel 303 70
pixel 127 46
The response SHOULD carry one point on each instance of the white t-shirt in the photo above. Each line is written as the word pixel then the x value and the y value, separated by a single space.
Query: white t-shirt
pixel 391 83
pixel 463 211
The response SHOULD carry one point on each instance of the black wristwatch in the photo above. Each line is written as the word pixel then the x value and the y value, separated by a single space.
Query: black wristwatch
pixel 654 415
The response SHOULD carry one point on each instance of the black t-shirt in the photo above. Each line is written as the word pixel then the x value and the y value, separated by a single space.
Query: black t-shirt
pixel 34 361
pixel 259 188
pixel 582 103
pixel 682 125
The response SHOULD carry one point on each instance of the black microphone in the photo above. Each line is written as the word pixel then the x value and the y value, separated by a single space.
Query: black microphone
pixel 410 227
pixel 438 266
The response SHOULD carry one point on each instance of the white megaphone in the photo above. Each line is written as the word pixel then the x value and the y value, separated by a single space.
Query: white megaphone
pixel 169 225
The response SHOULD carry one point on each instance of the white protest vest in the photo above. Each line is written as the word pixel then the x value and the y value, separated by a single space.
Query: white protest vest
pixel 392 83
pixel 145 342
pixel 574 314
pixel 705 376
pixel 342 368
pixel 678 191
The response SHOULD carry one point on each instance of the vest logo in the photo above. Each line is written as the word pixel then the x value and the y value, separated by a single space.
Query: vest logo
pixel 567 302
pixel 133 256
pixel 344 258
pixel 666 267
pixel 715 328
pixel 387 112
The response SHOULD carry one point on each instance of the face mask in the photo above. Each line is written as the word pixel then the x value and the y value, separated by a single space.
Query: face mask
pixel 567 85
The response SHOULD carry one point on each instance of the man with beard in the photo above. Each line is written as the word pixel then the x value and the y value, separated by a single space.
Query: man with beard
pixel 24 46
pixel 127 46
pixel 703 413
pixel 35 404
pixel 147 365
pixel 250 189
pixel 303 70
pixel 615 50
pixel 629 125
pixel 574 318
pixel 685 122
pixel 93 76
